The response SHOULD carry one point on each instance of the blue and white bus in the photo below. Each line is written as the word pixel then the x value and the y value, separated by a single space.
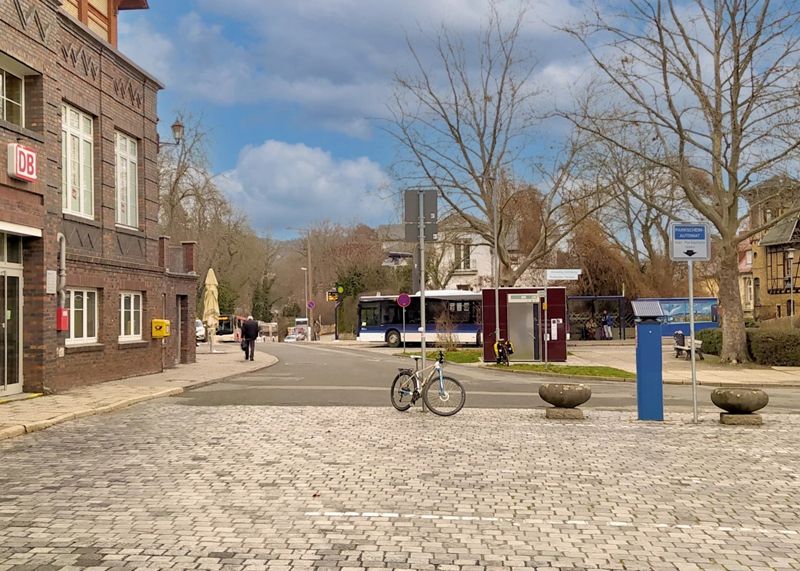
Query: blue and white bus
pixel 452 314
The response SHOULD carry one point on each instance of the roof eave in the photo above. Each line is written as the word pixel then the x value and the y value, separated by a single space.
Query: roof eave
pixel 132 5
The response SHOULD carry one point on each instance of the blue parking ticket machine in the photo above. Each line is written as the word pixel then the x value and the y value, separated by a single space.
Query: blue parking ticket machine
pixel 649 378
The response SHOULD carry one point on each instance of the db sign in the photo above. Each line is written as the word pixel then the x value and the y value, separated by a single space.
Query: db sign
pixel 21 162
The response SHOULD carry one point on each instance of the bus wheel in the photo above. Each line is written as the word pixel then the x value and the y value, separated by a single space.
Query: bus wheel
pixel 393 338
pixel 479 340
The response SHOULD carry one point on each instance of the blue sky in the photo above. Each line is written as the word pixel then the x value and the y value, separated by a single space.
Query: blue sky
pixel 293 91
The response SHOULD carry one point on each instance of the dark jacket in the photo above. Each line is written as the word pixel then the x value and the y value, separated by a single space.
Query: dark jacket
pixel 250 329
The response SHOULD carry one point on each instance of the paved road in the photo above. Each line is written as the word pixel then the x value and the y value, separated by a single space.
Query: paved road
pixel 167 486
pixel 332 376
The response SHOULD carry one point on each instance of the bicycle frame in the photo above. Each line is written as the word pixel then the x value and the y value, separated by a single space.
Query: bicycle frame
pixel 437 369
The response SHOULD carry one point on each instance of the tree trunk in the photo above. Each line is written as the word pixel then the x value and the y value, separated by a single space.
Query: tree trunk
pixel 734 340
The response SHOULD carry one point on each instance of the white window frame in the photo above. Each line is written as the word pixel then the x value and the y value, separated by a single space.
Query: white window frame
pixel 4 72
pixel 77 188
pixel 462 251
pixel 127 180
pixel 86 339
pixel 136 318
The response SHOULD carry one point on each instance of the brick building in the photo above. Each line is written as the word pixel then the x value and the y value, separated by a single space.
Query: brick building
pixel 79 205
pixel 769 262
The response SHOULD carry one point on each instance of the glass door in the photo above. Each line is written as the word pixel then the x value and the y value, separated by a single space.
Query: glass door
pixel 10 331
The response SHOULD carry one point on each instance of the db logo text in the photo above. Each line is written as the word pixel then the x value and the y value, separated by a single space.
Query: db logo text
pixel 21 162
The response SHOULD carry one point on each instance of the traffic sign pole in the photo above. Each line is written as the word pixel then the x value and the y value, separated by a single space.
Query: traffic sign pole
pixel 422 282
pixel 690 243
pixel 691 334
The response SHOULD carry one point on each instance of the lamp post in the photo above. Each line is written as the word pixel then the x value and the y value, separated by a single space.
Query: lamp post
pixel 177 129
pixel 309 278
pixel 790 258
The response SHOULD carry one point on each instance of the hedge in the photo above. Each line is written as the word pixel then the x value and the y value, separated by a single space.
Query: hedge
pixel 774 347
pixel 712 340
pixel 765 346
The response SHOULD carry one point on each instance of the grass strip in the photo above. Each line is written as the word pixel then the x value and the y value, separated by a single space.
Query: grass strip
pixel 574 370
pixel 459 356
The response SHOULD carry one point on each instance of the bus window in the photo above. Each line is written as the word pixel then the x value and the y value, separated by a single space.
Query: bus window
pixel 370 314
pixel 460 311
pixel 390 313
pixel 434 310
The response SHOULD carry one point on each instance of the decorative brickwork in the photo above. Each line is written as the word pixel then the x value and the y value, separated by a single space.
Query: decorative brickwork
pixel 73 67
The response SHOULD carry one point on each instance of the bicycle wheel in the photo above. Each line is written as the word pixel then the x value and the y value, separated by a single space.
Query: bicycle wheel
pixel 445 403
pixel 402 391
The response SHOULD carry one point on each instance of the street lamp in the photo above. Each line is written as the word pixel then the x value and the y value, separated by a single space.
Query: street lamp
pixel 177 135
pixel 790 258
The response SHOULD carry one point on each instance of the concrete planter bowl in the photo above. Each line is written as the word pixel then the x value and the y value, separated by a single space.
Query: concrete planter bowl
pixel 564 398
pixel 740 405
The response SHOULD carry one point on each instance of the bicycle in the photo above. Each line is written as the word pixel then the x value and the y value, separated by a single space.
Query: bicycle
pixel 408 385
pixel 502 349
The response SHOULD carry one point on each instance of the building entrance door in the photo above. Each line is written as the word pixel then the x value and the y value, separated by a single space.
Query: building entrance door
pixel 10 331
pixel 524 327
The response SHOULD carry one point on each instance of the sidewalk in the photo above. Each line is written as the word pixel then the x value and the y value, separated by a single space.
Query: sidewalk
pixel 679 371
pixel 29 415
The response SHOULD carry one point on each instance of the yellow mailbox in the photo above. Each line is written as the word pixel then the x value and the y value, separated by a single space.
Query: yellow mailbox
pixel 159 328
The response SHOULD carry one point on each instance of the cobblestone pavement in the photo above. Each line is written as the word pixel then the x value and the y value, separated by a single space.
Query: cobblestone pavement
pixel 165 486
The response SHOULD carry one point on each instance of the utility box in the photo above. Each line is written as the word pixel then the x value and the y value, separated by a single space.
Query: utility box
pixel 159 328
pixel 649 378
pixel 62 319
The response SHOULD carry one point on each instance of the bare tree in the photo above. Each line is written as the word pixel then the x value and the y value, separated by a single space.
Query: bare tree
pixel 464 121
pixel 192 207
pixel 643 200
pixel 713 83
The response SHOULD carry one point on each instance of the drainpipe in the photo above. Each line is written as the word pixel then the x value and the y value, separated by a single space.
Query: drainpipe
pixel 62 269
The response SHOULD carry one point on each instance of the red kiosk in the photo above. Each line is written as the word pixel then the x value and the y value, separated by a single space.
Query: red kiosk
pixel 528 317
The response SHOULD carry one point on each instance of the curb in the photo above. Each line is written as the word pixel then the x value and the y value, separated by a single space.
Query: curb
pixel 206 382
pixel 777 385
pixel 20 429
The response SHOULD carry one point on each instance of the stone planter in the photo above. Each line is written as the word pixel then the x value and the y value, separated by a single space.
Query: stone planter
pixel 564 398
pixel 740 404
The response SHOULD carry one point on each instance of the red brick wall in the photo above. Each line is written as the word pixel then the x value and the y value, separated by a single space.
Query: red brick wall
pixel 74 67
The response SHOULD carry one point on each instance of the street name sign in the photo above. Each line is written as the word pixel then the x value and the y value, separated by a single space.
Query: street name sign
pixel 563 275
pixel 689 242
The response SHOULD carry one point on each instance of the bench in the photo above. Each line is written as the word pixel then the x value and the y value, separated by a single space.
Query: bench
pixel 685 350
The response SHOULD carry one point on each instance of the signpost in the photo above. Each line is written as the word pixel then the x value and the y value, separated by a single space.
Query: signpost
pixel 555 275
pixel 690 242
pixel 404 300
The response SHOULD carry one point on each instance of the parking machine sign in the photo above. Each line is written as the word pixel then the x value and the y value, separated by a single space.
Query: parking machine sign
pixel 689 242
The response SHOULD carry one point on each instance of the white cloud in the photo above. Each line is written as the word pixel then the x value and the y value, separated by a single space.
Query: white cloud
pixel 335 59
pixel 278 184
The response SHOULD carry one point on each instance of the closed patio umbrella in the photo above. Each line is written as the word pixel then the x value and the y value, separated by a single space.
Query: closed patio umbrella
pixel 211 306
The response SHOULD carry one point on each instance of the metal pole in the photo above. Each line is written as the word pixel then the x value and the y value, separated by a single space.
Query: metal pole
pixel 546 324
pixel 404 330
pixel 310 290
pixel 496 268
pixel 423 324
pixel 305 283
pixel 691 336
pixel 791 288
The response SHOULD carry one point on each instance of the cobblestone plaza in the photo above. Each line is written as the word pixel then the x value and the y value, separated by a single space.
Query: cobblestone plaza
pixel 168 486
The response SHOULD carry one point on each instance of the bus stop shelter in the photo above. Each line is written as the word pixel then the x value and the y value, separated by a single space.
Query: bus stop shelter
pixel 534 319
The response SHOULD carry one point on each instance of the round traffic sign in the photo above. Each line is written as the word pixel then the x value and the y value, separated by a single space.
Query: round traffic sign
pixel 403 300
pixel 311 304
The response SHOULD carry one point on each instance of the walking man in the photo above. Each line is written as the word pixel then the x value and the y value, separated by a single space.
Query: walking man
pixel 249 336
